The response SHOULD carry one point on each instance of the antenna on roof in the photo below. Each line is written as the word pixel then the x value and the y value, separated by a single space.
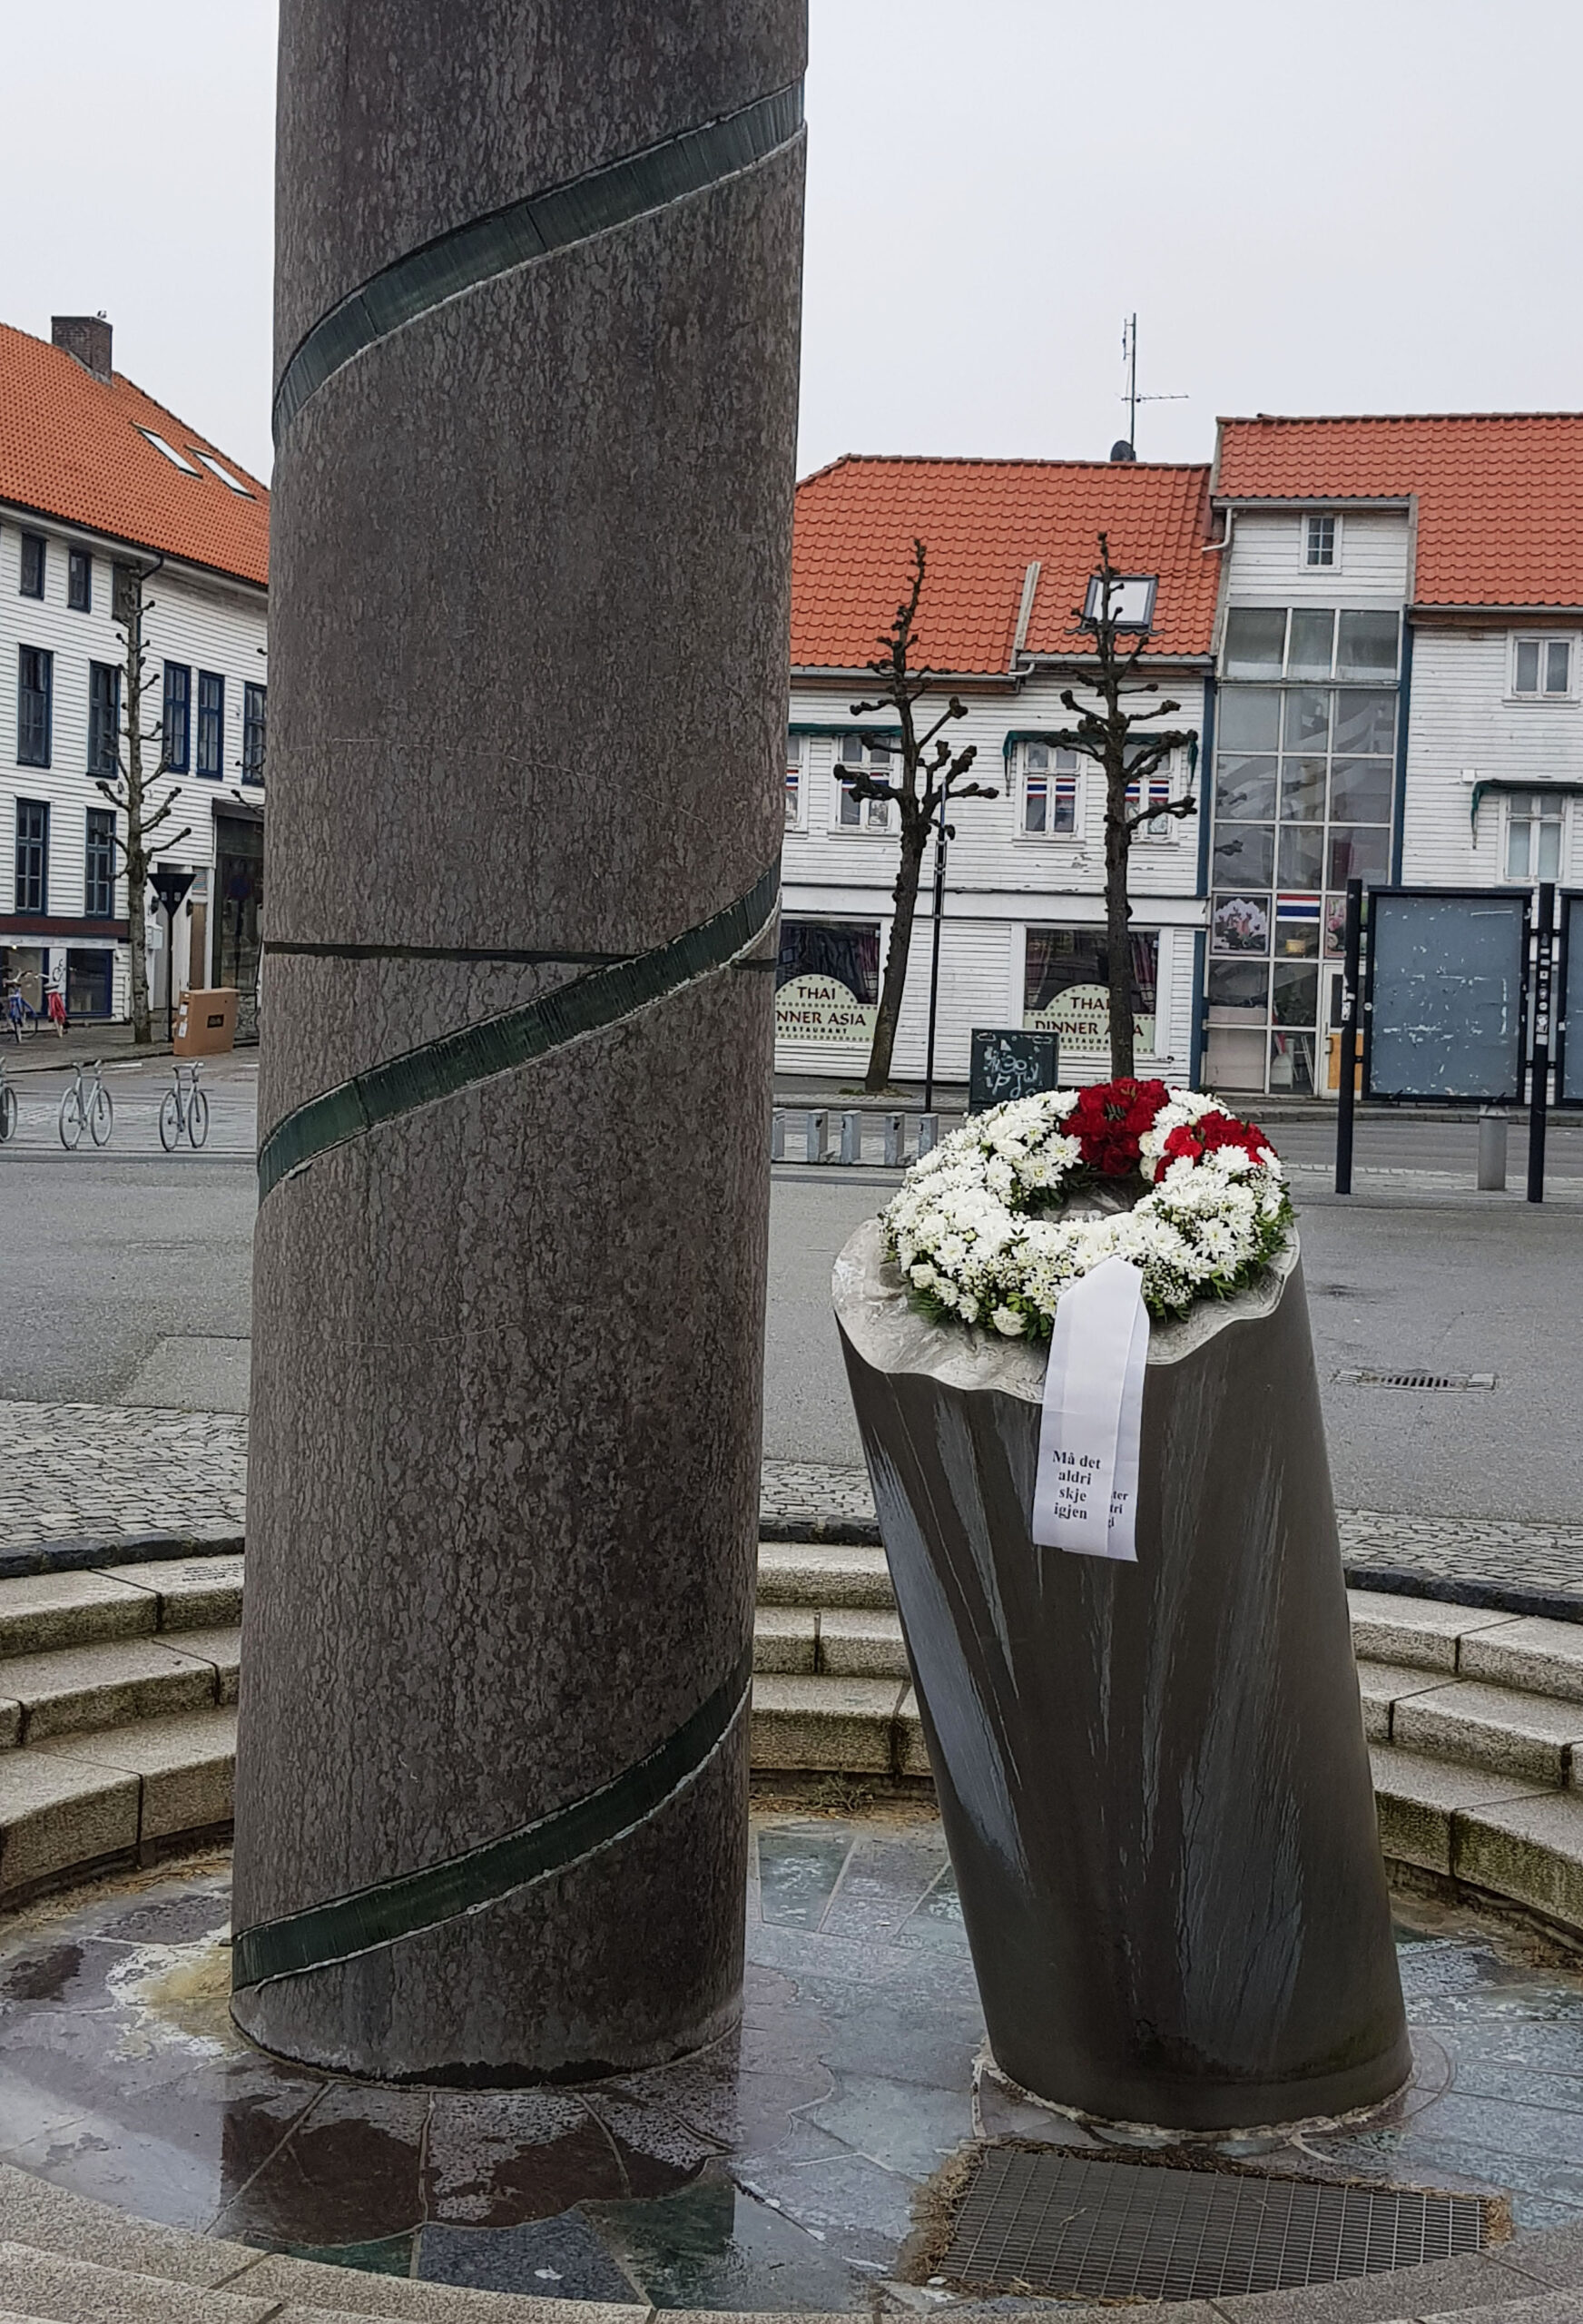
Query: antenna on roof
pixel 1130 396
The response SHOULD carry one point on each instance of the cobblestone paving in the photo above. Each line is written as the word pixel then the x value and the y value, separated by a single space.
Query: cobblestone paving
pixel 108 1469
pixel 102 1471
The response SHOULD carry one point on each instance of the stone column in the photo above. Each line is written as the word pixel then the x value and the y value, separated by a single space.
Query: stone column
pixel 537 286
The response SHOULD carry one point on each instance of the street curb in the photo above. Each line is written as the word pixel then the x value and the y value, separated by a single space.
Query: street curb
pixel 1452 1589
pixel 82 1552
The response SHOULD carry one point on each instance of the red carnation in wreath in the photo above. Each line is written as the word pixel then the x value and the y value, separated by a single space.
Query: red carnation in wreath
pixel 1207 1135
pixel 1109 1120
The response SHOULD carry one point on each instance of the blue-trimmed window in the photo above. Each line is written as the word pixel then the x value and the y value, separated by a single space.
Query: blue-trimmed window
pixel 32 855
pixel 99 882
pixel 103 718
pixel 35 685
pixel 33 555
pixel 1049 791
pixel 178 716
pixel 211 724
pixel 79 581
pixel 255 719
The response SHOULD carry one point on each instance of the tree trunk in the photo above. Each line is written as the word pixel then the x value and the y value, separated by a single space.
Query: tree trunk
pixel 143 1032
pixel 1117 918
pixel 905 894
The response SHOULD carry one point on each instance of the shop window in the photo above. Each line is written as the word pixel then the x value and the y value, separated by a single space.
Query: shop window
pixel 1066 990
pixel 827 983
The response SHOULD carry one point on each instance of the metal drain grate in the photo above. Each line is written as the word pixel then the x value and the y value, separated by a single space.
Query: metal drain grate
pixel 1068 2225
pixel 1441 1381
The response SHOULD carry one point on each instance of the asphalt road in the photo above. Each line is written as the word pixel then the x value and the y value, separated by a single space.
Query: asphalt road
pixel 125 1278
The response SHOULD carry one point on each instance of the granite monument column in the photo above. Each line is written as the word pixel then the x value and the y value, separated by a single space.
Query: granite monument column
pixel 538 284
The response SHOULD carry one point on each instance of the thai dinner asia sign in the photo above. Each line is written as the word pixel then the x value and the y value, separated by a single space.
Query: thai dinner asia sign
pixel 823 1011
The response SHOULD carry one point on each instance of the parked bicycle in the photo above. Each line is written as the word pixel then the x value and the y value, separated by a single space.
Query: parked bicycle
pixel 86 1107
pixel 19 1016
pixel 7 1106
pixel 184 1107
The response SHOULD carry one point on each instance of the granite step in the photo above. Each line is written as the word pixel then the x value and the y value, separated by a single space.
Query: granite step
pixel 70 1689
pixel 1504 1834
pixel 42 1612
pixel 842 1641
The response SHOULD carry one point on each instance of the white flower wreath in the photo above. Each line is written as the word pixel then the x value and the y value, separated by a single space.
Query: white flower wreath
pixel 972 1228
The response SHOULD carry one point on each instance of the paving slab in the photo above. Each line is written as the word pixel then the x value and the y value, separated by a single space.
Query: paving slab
pixel 1417 1799
pixel 188 1592
pixel 844 1725
pixel 861 1642
pixel 428 2303
pixel 186 1766
pixel 786 1641
pixel 1491 1727
pixel 55 1814
pixel 104 1685
pixel 1406 2295
pixel 1549 2308
pixel 1415 1633
pixel 1540 1657
pixel 39 1612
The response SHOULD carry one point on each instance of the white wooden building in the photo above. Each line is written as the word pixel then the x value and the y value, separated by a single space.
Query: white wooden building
pixel 96 479
pixel 1010 547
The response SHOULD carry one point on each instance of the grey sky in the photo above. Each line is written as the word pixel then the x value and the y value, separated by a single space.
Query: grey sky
pixel 1363 207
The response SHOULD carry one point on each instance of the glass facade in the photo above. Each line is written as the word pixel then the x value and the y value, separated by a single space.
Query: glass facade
pixel 1301 796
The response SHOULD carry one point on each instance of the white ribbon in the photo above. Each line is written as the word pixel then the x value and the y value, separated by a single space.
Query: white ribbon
pixel 1086 1484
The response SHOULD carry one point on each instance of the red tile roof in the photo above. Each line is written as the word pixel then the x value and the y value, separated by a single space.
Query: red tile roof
pixel 983 523
pixel 70 447
pixel 1500 494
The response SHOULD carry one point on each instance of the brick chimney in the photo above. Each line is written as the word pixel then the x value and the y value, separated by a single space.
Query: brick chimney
pixel 85 337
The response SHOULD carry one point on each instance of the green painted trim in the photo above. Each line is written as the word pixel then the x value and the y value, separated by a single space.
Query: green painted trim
pixel 373 1918
pixel 499 1044
pixel 534 227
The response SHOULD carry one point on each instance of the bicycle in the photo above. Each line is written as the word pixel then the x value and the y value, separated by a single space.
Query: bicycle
pixel 184 1107
pixel 86 1105
pixel 7 1106
pixel 21 1018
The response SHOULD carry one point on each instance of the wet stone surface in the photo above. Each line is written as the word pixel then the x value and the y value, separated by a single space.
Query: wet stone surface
pixel 777 2171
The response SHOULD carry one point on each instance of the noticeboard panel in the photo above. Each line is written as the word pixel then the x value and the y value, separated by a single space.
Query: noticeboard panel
pixel 1446 995
pixel 1013 1063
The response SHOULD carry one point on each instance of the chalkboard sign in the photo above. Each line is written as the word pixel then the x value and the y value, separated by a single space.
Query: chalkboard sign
pixel 1446 995
pixel 1568 1047
pixel 1007 1065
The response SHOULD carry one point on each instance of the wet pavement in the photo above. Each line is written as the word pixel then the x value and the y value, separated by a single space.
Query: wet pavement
pixel 777 2171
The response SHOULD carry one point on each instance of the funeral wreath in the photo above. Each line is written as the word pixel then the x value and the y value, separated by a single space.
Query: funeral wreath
pixel 1197 1200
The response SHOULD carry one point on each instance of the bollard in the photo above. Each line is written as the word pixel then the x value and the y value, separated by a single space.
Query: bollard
pixel 815 1127
pixel 1492 1127
pixel 928 1133
pixel 777 1136
pixel 851 1137
pixel 895 1142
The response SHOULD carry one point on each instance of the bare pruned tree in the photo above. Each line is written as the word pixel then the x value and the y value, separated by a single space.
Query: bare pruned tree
pixel 1111 737
pixel 132 790
pixel 923 775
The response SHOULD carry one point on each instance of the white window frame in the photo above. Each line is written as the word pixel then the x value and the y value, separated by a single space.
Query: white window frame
pixel 1161 830
pixel 1333 563
pixel 1541 639
pixel 797 757
pixel 1049 774
pixel 876 818
pixel 1513 803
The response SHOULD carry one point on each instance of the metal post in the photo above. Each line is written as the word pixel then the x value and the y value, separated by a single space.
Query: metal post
pixel 1539 1073
pixel 170 911
pixel 895 1142
pixel 928 1133
pixel 1345 1095
pixel 941 834
pixel 851 1137
pixel 815 1125
pixel 1493 1125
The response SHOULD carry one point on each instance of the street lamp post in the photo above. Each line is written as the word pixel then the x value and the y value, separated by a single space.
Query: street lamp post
pixel 943 833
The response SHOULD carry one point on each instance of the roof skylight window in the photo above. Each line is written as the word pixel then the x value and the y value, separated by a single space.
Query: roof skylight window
pixel 169 450
pixel 212 465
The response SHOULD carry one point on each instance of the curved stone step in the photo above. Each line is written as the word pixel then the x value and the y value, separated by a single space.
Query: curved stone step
pixel 42 1612
pixel 71 1688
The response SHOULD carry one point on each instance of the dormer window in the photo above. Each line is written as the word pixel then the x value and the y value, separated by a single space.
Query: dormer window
pixel 1318 540
pixel 1132 601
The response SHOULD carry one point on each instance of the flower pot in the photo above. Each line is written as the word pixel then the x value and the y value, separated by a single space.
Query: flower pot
pixel 1153 1778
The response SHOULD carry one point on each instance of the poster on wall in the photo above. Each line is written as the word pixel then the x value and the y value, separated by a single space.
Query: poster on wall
pixel 827 983
pixel 1066 990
